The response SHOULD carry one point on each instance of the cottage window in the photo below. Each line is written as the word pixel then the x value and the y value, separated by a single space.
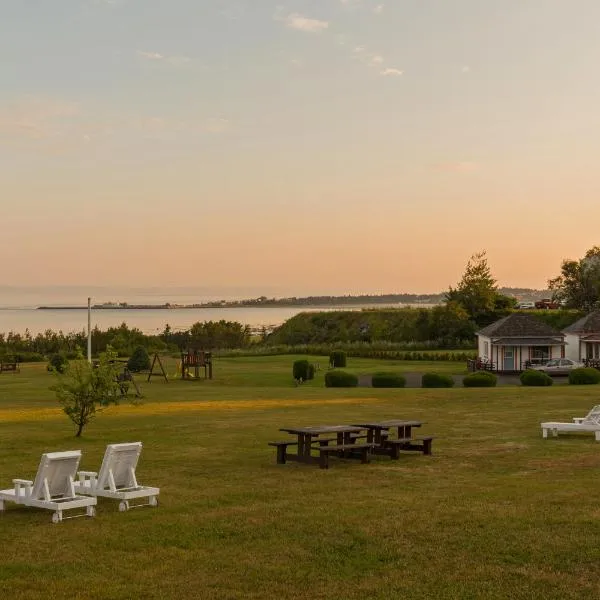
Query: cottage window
pixel 541 352
pixel 592 351
pixel 486 349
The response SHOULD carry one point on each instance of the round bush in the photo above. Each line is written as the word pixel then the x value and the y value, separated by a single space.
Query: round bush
pixel 480 379
pixel 531 377
pixel 337 359
pixel 388 380
pixel 339 379
pixel 437 380
pixel 58 363
pixel 302 369
pixel 584 376
pixel 139 361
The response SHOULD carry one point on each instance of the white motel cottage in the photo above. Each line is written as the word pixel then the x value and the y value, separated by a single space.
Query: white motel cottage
pixel 517 341
pixel 583 338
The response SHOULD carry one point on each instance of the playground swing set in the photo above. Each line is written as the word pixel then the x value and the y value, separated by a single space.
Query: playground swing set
pixel 188 368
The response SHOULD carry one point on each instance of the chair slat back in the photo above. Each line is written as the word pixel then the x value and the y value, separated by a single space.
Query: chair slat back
pixel 121 459
pixel 58 468
pixel 593 416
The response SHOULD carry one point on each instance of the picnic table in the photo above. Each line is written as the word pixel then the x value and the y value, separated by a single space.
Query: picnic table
pixel 378 434
pixel 307 437
pixel 377 431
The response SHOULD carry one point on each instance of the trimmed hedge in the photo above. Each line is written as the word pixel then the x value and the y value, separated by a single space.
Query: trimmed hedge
pixel 337 359
pixel 303 370
pixel 480 379
pixel 388 380
pixel 534 378
pixel 437 380
pixel 584 376
pixel 338 379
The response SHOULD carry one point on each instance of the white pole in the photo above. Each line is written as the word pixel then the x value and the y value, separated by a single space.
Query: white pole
pixel 89 344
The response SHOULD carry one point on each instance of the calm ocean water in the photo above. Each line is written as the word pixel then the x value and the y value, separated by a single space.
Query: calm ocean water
pixel 148 321
pixel 18 308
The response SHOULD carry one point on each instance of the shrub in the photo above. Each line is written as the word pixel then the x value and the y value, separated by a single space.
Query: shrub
pixel 532 377
pixel 480 379
pixel 388 380
pixel 25 357
pixel 303 370
pixel 58 363
pixel 338 378
pixel 437 380
pixel 584 376
pixel 139 361
pixel 337 359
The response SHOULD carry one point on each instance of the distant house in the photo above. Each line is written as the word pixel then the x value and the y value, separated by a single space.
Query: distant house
pixel 583 338
pixel 516 341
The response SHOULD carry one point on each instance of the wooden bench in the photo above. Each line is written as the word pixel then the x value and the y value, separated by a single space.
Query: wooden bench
pixel 282 450
pixel 362 450
pixel 9 367
pixel 418 444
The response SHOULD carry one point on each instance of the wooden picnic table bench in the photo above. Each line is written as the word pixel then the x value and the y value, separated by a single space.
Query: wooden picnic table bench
pixel 379 430
pixel 308 439
pixel 9 366
pixel 386 445
pixel 346 450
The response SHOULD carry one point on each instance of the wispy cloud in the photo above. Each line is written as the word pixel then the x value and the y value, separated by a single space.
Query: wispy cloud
pixel 36 117
pixel 217 125
pixel 58 125
pixel 378 10
pixel 391 72
pixel 175 61
pixel 150 55
pixel 301 23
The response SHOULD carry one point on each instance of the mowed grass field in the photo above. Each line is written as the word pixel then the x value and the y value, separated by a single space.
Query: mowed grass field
pixel 496 512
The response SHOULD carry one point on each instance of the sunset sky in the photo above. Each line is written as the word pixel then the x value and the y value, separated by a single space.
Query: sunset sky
pixel 316 146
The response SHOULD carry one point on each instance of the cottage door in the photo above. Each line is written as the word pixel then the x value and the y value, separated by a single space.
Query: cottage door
pixel 509 359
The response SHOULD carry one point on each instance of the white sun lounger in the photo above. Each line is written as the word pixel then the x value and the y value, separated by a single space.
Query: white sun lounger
pixel 116 478
pixel 53 487
pixel 589 423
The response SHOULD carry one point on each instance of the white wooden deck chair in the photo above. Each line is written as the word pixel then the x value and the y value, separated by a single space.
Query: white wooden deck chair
pixel 116 478
pixel 53 487
pixel 589 423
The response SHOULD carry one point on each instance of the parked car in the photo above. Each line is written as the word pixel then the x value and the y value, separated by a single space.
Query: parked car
pixel 558 366
pixel 527 305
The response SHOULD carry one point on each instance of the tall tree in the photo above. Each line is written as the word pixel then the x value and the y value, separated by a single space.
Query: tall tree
pixel 578 284
pixel 477 291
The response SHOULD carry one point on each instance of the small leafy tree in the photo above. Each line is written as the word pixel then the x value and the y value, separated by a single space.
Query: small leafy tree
pixel 84 389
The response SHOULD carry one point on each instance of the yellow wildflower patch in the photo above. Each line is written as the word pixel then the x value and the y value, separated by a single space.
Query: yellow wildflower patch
pixel 160 408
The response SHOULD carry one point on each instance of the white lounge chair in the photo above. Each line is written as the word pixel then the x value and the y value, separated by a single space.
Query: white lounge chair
pixel 53 487
pixel 589 423
pixel 116 478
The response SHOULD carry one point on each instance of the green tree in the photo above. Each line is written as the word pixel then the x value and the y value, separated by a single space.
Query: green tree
pixel 578 284
pixel 139 360
pixel 477 290
pixel 85 389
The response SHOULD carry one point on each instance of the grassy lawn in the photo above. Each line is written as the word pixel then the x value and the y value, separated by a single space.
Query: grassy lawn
pixel 496 512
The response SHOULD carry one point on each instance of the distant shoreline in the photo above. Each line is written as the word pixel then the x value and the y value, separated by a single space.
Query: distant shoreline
pixel 213 306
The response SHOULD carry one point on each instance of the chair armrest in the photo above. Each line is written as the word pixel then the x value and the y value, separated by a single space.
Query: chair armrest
pixel 22 484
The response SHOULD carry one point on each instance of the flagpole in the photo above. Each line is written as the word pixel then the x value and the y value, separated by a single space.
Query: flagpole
pixel 89 340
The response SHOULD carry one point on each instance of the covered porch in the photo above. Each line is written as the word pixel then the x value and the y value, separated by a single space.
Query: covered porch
pixel 514 355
